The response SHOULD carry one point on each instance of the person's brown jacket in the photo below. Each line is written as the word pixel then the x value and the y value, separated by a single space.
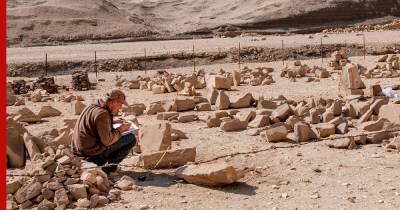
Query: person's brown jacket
pixel 93 131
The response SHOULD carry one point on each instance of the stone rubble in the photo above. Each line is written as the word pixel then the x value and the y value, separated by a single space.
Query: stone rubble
pixel 57 179
pixel 80 81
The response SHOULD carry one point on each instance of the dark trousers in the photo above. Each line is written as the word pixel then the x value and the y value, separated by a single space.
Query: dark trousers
pixel 115 153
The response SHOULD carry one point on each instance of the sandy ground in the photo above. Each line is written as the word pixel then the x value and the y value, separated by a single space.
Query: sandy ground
pixel 364 178
pixel 135 49
pixel 33 22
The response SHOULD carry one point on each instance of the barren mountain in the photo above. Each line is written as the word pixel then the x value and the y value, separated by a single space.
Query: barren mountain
pixel 46 21
pixel 68 20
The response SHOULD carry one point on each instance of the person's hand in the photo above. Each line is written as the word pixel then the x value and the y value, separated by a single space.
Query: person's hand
pixel 119 120
pixel 124 127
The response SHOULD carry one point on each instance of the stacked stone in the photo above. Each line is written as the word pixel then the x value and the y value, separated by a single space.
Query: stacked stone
pixel 20 87
pixel 58 179
pixel 80 81
pixel 339 60
pixel 46 83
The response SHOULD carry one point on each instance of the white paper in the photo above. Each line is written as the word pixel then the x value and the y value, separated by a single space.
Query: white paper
pixel 131 129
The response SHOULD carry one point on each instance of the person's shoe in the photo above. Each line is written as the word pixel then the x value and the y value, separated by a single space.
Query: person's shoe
pixel 109 169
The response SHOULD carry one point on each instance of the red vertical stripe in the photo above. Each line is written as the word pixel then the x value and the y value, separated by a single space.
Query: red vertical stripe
pixel 3 136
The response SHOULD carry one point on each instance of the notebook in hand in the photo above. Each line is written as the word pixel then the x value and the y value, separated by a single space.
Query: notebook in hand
pixel 132 129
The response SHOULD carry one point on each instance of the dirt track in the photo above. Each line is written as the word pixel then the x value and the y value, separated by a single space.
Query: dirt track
pixel 136 49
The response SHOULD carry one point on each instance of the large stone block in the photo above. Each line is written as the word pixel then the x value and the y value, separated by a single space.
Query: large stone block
pixel 282 112
pixel 167 115
pixel 155 137
pixel 77 107
pixel 233 125
pixel 212 174
pixel 180 105
pixel 155 108
pixel 222 101
pixel 219 82
pixel 15 145
pixel 325 129
pixel 259 121
pixel 212 96
pixel 390 112
pixel 30 145
pixel 248 115
pixel 48 111
pixel 275 134
pixel 26 115
pixel 373 125
pixel 168 158
pixel 350 80
pixel 29 190
pixel 77 191
pixel 136 109
pixel 304 132
pixel 242 101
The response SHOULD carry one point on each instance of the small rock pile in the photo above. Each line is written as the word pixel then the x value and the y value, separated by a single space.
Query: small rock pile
pixel 298 70
pixel 58 179
pixel 46 83
pixel 338 60
pixel 69 97
pixel 20 87
pixel 224 80
pixel 39 95
pixel 165 82
pixel 254 77
pixel 80 81
pixel 388 66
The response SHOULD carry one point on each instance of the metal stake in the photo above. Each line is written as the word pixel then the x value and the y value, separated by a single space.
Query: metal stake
pixel 365 50
pixel 145 61
pixel 239 55
pixel 194 60
pixel 322 55
pixel 45 64
pixel 283 58
pixel 95 63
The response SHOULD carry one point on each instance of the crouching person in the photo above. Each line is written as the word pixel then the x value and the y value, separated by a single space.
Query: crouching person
pixel 96 140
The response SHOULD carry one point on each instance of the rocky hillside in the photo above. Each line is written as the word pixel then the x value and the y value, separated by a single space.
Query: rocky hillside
pixel 52 21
